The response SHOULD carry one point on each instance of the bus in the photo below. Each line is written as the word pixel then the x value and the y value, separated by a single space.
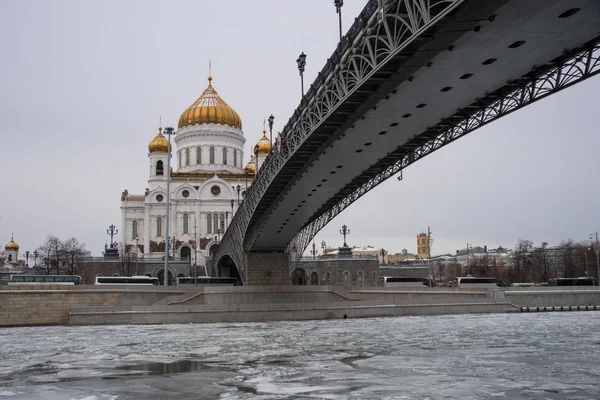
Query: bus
pixel 126 280
pixel 207 281
pixel 402 281
pixel 477 283
pixel 45 280
pixel 572 282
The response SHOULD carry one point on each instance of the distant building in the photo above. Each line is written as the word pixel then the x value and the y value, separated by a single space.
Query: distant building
pixel 10 264
pixel 422 245
pixel 399 257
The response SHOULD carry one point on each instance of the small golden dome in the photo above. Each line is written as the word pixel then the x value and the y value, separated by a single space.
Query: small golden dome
pixel 251 166
pixel 264 144
pixel 210 108
pixel 11 246
pixel 159 144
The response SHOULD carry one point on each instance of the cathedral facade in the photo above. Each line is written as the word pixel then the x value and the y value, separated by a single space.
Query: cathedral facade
pixel 208 182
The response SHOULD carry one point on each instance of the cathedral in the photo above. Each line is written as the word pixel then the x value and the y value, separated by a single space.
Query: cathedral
pixel 208 183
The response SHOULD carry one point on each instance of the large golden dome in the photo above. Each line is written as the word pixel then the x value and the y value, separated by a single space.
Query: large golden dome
pixel 251 166
pixel 210 108
pixel 159 144
pixel 11 246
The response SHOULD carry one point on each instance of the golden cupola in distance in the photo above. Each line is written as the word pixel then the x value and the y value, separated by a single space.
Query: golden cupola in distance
pixel 159 144
pixel 210 108
pixel 11 246
pixel 264 144
pixel 251 166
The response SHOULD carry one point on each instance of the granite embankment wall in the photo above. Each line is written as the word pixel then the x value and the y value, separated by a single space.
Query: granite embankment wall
pixel 56 305
pixel 51 304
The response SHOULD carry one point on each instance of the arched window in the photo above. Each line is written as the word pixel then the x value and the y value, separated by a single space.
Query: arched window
pixel 346 276
pixel 159 227
pixel 179 158
pixel 208 223
pixel 187 156
pixel 224 155
pixel 134 230
pixel 222 223
pixel 198 155
pixel 235 157
pixel 328 277
pixel 212 155
pixel 215 223
pixel 360 277
pixel 10 257
pixel 185 223
pixel 159 167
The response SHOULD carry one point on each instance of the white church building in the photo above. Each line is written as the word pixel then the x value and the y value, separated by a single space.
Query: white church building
pixel 208 183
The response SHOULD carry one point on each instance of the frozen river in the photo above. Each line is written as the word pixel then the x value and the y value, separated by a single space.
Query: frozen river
pixel 511 356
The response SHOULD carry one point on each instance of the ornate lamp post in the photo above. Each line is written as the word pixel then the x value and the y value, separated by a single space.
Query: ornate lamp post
pixel 338 9
pixel 345 231
pixel 232 202
pixel 173 245
pixel 167 131
pixel 237 188
pixel 35 256
pixel 271 119
pixel 227 219
pixel 218 234
pixel 137 251
pixel 323 246
pixel 301 64
pixel 314 251
pixel 596 246
pixel 256 158
pixel 27 258
pixel 112 231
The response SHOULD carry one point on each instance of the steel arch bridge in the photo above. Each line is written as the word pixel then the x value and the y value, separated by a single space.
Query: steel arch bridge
pixel 394 63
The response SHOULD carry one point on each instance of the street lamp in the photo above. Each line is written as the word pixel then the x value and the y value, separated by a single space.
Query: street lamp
pixel 301 64
pixel 168 131
pixel 137 253
pixel 174 244
pixel 596 246
pixel 256 157
pixel 271 119
pixel 314 251
pixel 323 246
pixel 237 188
pixel 35 256
pixel 338 9
pixel 112 230
pixel 27 258
pixel 232 203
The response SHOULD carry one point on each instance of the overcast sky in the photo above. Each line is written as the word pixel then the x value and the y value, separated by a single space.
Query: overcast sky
pixel 83 83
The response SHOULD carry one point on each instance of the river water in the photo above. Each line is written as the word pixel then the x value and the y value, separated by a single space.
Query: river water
pixel 498 356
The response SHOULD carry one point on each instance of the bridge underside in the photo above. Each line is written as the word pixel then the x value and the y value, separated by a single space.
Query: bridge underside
pixel 468 60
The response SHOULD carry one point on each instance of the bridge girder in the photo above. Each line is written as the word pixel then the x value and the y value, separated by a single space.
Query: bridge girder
pixel 349 83
pixel 563 72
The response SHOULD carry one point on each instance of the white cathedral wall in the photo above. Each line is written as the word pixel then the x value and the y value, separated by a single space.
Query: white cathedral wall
pixel 197 205
pixel 206 136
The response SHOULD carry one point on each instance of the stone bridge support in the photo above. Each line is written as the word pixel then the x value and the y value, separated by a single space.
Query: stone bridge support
pixel 267 269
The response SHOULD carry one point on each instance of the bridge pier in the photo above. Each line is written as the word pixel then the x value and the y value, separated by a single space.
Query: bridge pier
pixel 267 269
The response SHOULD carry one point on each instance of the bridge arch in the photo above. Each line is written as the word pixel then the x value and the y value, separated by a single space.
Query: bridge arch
pixel 226 267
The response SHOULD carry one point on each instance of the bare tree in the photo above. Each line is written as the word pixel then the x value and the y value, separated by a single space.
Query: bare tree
pixel 49 253
pixel 73 253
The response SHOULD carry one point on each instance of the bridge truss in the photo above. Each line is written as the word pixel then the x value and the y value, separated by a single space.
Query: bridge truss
pixel 561 73
pixel 384 29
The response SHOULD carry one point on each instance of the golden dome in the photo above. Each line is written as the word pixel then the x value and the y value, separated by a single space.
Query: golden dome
pixel 251 166
pixel 264 144
pixel 210 108
pixel 159 144
pixel 11 246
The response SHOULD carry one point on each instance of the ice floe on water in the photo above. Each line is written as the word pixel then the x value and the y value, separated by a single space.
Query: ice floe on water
pixel 510 356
